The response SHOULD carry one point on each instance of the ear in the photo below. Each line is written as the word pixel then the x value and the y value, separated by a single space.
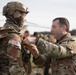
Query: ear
pixel 17 14
pixel 64 27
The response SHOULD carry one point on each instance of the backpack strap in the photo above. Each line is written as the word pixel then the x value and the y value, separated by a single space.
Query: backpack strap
pixel 6 32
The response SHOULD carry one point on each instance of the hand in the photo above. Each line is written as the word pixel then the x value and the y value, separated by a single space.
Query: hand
pixel 29 40
pixel 33 49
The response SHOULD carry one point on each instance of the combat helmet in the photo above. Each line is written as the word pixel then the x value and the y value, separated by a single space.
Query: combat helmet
pixel 13 6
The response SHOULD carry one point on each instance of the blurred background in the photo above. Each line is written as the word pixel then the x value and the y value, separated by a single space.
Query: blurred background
pixel 42 12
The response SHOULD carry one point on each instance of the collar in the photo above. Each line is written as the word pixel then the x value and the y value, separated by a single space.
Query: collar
pixel 64 37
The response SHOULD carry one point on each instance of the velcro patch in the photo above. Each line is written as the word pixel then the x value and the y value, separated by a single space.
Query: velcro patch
pixel 15 43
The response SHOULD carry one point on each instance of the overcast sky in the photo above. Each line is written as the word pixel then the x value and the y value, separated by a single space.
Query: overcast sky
pixel 42 12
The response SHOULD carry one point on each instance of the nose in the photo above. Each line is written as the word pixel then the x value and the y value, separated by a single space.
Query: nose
pixel 24 19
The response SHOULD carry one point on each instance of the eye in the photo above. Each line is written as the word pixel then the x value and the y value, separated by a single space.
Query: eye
pixel 53 26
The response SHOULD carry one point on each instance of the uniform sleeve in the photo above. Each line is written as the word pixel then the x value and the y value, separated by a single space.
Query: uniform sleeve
pixel 65 49
pixel 14 45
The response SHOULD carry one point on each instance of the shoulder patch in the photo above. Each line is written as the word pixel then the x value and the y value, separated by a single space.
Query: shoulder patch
pixel 15 43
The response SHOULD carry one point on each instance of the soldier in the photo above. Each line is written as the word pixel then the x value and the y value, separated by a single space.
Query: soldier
pixel 26 54
pixel 10 47
pixel 26 34
pixel 62 54
pixel 36 34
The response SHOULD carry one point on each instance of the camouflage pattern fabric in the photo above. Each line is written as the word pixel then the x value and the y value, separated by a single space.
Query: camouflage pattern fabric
pixel 62 55
pixel 10 52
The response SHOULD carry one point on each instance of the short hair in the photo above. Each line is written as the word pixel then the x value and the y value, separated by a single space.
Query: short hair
pixel 26 31
pixel 63 21
pixel 35 33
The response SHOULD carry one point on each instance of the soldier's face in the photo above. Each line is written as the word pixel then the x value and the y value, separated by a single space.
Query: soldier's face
pixel 56 29
pixel 20 19
pixel 23 17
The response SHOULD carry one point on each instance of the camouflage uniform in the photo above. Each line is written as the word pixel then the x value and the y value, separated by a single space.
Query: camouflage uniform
pixel 62 55
pixel 11 53
pixel 10 48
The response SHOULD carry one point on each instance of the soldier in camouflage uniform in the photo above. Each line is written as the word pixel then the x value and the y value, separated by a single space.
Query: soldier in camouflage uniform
pixel 10 39
pixel 62 54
